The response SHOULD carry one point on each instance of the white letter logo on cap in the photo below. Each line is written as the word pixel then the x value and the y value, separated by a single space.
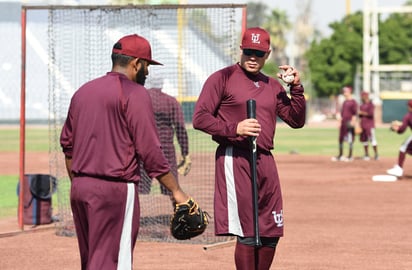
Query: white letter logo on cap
pixel 255 38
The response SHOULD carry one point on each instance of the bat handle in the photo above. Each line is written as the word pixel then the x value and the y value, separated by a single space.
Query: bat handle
pixel 251 113
pixel 251 108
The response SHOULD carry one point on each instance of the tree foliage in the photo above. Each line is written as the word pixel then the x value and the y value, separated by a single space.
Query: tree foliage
pixel 395 39
pixel 333 61
pixel 278 24
pixel 256 14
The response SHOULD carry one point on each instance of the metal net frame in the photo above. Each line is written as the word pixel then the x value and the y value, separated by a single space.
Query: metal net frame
pixel 192 41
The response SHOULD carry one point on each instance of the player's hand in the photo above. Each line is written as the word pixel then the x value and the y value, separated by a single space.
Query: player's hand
pixel 179 196
pixel 248 127
pixel 395 125
pixel 289 70
pixel 338 117
pixel 353 123
pixel 358 129
pixel 185 165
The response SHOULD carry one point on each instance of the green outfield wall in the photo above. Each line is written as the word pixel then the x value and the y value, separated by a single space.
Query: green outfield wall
pixel 393 109
pixel 394 105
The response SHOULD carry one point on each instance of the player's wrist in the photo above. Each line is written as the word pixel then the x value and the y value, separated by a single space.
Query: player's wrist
pixel 296 89
pixel 179 196
pixel 297 85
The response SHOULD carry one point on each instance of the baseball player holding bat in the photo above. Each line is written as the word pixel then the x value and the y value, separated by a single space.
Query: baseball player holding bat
pixel 109 128
pixel 221 112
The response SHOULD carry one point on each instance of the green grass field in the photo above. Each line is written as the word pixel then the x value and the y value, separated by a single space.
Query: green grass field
pixel 37 139
pixel 8 196
pixel 305 141
pixel 324 141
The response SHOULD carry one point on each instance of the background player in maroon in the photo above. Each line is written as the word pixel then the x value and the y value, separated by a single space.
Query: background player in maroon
pixel 170 121
pixel 406 147
pixel 221 112
pixel 367 123
pixel 348 118
pixel 109 128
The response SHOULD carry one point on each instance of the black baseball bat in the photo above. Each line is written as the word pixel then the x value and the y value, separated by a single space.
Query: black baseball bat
pixel 251 113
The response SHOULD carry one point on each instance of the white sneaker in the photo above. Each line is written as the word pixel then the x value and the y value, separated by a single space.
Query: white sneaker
pixel 396 171
pixel 339 158
pixel 366 158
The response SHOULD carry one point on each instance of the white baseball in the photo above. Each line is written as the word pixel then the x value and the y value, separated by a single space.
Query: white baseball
pixel 288 78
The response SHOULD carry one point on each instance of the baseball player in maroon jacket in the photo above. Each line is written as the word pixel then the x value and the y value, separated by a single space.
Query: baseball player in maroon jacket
pixel 348 118
pixel 221 112
pixel 109 128
pixel 367 123
pixel 169 120
pixel 406 147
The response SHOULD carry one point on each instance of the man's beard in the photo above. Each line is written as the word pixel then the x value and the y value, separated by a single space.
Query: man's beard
pixel 140 77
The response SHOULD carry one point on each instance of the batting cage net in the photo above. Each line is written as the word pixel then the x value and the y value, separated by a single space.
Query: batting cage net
pixel 192 41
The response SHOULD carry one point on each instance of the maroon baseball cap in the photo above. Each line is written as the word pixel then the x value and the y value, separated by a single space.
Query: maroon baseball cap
pixel 347 88
pixel 135 46
pixel 256 38
pixel 364 94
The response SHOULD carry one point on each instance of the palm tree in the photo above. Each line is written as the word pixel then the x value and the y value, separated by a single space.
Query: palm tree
pixel 278 25
pixel 256 14
pixel 304 33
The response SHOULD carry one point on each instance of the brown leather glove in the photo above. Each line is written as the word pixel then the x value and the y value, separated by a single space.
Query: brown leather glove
pixel 184 166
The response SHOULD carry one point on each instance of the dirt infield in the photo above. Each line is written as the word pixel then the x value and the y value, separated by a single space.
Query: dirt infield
pixel 336 217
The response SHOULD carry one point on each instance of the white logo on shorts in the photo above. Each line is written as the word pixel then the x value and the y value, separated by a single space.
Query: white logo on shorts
pixel 278 218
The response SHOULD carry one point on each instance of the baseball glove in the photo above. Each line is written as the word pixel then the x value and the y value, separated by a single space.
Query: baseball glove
pixel 395 125
pixel 188 220
pixel 358 129
pixel 185 165
pixel 349 125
